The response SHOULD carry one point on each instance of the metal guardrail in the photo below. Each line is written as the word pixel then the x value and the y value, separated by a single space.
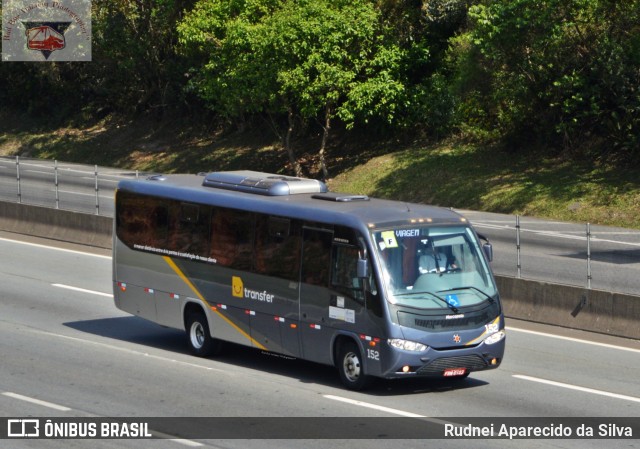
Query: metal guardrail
pixel 58 185
pixel 572 253
pixel 587 235
pixel 524 250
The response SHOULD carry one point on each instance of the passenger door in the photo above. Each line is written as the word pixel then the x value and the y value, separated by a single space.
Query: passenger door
pixel 315 296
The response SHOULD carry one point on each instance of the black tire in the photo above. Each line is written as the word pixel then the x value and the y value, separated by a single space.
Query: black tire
pixel 351 368
pixel 198 336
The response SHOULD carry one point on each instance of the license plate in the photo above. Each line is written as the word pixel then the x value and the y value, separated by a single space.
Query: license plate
pixel 452 372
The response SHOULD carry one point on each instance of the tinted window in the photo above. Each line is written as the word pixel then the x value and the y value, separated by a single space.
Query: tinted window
pixel 344 276
pixel 317 257
pixel 189 229
pixel 277 247
pixel 232 238
pixel 141 221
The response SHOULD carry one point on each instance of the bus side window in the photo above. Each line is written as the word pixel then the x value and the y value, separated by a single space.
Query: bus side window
pixel 189 229
pixel 141 220
pixel 344 277
pixel 277 249
pixel 374 303
pixel 316 257
pixel 232 238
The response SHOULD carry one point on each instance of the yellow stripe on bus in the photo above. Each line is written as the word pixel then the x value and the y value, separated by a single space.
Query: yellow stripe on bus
pixel 193 288
pixel 482 335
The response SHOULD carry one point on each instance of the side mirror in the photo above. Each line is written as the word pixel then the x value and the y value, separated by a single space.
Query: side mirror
pixel 363 268
pixel 488 251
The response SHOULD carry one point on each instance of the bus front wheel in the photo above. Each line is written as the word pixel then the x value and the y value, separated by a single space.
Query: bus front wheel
pixel 350 367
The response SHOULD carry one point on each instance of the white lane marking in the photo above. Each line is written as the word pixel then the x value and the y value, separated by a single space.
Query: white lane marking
pixel 532 231
pixel 78 289
pixel 563 235
pixel 125 350
pixel 37 401
pixel 186 442
pixel 93 178
pixel 576 340
pixel 510 224
pixel 577 388
pixel 182 441
pixel 36 245
pixel 40 172
pixel 67 409
pixel 176 440
pixel 374 406
pixel 93 194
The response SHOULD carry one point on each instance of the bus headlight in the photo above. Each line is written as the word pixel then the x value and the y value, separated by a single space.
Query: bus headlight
pixel 495 338
pixel 407 345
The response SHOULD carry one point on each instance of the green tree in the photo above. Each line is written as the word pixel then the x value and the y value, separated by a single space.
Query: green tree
pixel 136 67
pixel 564 71
pixel 334 63
pixel 233 64
pixel 316 60
pixel 422 30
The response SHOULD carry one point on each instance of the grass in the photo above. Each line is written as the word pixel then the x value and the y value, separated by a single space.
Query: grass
pixel 452 173
pixel 144 144
pixel 460 175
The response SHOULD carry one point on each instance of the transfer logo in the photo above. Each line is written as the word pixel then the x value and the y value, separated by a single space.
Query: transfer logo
pixel 237 287
pixel 238 290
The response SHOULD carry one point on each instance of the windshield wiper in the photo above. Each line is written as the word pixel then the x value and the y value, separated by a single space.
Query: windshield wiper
pixel 451 306
pixel 489 298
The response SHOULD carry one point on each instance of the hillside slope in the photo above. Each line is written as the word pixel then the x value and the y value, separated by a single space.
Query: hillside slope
pixel 452 173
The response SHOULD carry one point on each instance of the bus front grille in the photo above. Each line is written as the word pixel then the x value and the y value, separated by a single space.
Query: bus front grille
pixel 470 362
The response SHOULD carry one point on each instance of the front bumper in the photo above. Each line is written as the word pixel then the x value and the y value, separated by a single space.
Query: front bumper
pixel 447 363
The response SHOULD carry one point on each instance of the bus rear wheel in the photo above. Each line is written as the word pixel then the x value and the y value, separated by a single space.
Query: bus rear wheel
pixel 200 341
pixel 350 367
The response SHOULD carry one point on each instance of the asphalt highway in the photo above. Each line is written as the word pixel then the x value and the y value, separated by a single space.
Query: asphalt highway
pixel 66 351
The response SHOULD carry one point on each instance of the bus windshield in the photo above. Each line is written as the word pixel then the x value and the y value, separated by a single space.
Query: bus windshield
pixel 430 267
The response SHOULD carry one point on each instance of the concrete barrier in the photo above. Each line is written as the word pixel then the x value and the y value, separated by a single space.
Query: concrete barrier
pixel 573 307
pixel 542 302
pixel 56 224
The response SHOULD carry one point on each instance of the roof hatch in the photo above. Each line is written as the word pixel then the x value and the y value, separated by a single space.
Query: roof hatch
pixel 340 197
pixel 263 183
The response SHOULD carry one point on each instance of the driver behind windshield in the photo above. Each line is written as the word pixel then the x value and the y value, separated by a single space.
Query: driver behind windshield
pixel 431 260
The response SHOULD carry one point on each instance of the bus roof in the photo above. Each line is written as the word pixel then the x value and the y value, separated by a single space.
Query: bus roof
pixel 299 198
